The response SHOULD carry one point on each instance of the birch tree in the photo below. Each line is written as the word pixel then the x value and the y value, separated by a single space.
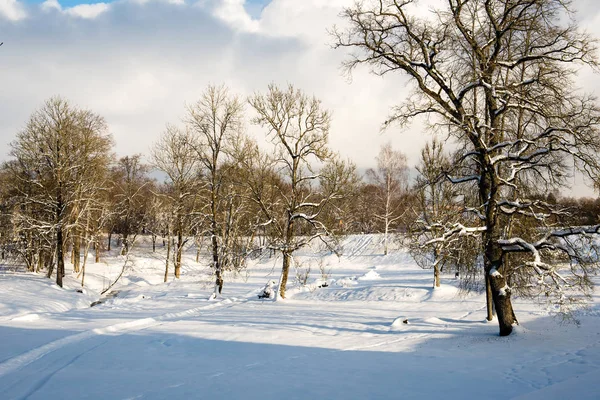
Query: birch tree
pixel 390 178
pixel 435 209
pixel 498 77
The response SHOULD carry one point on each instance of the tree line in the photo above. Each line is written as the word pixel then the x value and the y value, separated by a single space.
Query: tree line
pixel 65 193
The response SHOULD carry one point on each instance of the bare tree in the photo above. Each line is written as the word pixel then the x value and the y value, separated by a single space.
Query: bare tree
pixel 298 127
pixel 131 191
pixel 59 160
pixel 391 181
pixel 497 76
pixel 216 119
pixel 175 154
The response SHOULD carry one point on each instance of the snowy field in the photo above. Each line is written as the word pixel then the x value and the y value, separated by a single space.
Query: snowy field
pixel 155 340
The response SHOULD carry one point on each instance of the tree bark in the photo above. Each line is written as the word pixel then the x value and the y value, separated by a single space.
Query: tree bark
pixel 504 310
pixel 436 276
pixel 125 249
pixel 216 264
pixel 287 256
pixel 76 252
pixel 167 261
pixel 97 251
pixel 60 259
pixel 489 299
pixel 178 256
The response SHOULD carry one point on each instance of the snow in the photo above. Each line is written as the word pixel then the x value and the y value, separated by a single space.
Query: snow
pixel 155 340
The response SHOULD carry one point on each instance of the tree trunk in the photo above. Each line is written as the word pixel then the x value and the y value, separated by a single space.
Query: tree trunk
pixel 153 243
pixel 504 310
pixel 40 261
pixel 493 260
pixel 284 273
pixel 167 261
pixel 179 250
pixel 125 248
pixel 109 240
pixel 85 254
pixel 436 275
pixel 217 266
pixel 488 299
pixel 50 270
pixel 76 252
pixel 60 259
pixel 385 237
pixel 97 251
pixel 197 251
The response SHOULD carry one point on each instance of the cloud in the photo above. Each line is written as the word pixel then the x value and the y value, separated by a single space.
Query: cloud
pixel 138 62
pixel 233 13
pixel 12 10
pixel 51 5
pixel 88 11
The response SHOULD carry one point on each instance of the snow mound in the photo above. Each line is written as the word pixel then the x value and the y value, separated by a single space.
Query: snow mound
pixel 27 317
pixel 365 293
pixel 399 323
pixel 346 282
pixel 19 304
pixel 370 276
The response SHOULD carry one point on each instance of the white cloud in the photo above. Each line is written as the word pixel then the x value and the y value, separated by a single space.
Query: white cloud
pixel 51 5
pixel 12 10
pixel 233 13
pixel 87 11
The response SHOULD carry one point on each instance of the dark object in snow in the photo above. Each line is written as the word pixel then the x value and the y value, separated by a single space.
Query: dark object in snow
pixel 324 284
pixel 405 321
pixel 268 292
pixel 456 274
pixel 79 290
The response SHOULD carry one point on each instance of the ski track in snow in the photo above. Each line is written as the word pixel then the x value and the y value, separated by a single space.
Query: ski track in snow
pixel 22 360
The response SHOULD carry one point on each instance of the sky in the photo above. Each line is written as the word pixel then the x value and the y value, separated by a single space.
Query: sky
pixel 139 62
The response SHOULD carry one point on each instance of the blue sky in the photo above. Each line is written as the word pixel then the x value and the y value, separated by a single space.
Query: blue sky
pixel 254 7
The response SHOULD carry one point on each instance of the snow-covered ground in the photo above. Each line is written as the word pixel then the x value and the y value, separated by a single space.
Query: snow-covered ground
pixel 155 340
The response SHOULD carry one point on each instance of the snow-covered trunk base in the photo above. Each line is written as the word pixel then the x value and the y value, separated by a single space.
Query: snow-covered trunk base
pixel 502 303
